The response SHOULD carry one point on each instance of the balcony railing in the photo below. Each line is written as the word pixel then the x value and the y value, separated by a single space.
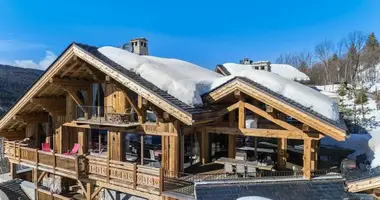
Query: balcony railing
pixel 138 177
pixel 72 166
pixel 105 115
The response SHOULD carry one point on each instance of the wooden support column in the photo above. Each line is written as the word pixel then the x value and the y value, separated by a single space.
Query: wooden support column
pixel 117 142
pixel 35 181
pixel 282 144
pixel 181 140
pixel 205 149
pixel 89 101
pixel 142 110
pixel 13 171
pixel 165 153
pixel 231 138
pixel 307 158
pixel 142 149
pixel 314 155
pixel 89 191
pixel 241 114
pixel 83 140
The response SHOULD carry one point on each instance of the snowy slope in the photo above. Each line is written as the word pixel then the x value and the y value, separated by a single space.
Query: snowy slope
pixel 187 81
pixel 370 78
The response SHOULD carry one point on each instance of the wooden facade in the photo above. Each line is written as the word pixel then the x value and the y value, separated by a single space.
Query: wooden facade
pixel 80 96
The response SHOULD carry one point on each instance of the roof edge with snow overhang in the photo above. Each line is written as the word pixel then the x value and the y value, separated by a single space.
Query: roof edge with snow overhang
pixel 303 114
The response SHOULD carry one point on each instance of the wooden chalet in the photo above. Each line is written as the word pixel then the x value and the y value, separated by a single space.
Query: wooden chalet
pixel 77 120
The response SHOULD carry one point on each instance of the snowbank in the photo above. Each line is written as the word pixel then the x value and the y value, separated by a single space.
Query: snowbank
pixel 289 72
pixel 374 145
pixel 187 81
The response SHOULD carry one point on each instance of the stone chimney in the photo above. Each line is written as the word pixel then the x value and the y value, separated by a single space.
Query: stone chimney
pixel 139 46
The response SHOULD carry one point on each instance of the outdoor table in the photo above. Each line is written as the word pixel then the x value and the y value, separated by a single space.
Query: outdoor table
pixel 233 161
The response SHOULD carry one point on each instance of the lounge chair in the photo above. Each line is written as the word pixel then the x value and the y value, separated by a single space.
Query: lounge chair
pixel 251 171
pixel 74 150
pixel 46 147
pixel 228 168
pixel 240 169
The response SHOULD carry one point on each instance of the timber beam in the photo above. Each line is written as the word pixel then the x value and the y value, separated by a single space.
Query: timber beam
pixel 269 117
pixel 13 135
pixel 71 82
pixel 32 117
pixel 51 104
pixel 271 133
pixel 70 67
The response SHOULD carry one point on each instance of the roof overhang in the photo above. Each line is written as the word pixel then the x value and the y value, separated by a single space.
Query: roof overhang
pixel 238 84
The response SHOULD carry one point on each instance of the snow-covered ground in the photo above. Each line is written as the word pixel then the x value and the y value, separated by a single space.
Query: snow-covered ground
pixel 187 81
pixel 368 144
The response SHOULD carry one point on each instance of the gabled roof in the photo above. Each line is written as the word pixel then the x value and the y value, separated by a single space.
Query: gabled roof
pixel 339 126
pixel 126 77
pixel 141 81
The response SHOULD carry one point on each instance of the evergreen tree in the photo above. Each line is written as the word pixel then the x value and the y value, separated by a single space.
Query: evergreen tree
pixel 362 110
pixel 371 44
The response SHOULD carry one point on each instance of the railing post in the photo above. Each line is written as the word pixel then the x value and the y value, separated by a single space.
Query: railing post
pixel 162 180
pixel 14 150
pixel 77 167
pixel 19 152
pixel 36 158
pixel 134 176
pixel 55 162
pixel 108 169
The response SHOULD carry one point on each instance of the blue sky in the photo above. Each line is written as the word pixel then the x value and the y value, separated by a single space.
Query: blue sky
pixel 203 32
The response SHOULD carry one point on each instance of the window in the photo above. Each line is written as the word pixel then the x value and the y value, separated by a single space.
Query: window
pixel 144 44
pixel 257 67
pixel 141 44
pixel 262 67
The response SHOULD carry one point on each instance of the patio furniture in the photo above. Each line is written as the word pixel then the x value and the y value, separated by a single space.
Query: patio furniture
pixel 228 168
pixel 251 171
pixel 241 156
pixel 233 161
pixel 240 169
pixel 152 155
pixel 46 147
pixel 74 150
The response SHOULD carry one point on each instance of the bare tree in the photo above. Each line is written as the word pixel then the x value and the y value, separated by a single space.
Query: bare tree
pixel 323 52
pixel 355 44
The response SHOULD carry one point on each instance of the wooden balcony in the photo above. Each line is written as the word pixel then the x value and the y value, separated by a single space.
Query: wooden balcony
pixel 70 166
pixel 107 173
pixel 128 175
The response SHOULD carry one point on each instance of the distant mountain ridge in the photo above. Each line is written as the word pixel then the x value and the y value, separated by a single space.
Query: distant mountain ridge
pixel 13 83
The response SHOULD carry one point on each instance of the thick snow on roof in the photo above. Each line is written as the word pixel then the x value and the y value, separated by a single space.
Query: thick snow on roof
pixel 187 81
pixel 289 72
pixel 304 95
pixel 284 70
pixel 181 79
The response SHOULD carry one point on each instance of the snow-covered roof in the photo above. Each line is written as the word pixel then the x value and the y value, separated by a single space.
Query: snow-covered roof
pixel 187 82
pixel 284 70
pixel 289 72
